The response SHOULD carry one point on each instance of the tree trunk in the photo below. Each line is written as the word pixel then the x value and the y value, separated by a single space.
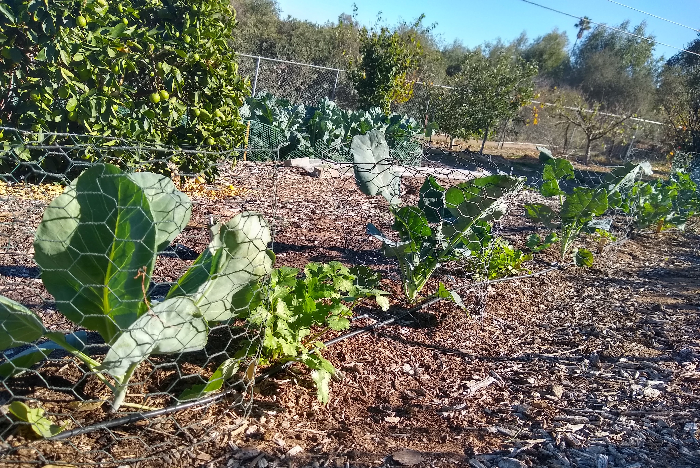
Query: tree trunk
pixel 483 142
pixel 566 139
pixel 588 152
pixel 452 142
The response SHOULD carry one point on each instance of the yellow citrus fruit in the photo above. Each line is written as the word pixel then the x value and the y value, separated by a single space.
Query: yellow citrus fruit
pixel 164 94
pixel 82 22
pixel 155 98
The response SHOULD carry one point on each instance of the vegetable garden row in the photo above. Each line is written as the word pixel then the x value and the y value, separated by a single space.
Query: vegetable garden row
pixel 99 240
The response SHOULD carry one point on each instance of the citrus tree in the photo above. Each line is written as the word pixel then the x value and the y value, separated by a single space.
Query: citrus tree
pixel 147 70
pixel 486 91
pixel 381 74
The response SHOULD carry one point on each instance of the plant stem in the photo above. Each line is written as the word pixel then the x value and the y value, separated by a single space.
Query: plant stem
pixel 122 386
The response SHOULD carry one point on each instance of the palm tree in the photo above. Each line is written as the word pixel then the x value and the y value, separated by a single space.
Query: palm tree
pixel 583 25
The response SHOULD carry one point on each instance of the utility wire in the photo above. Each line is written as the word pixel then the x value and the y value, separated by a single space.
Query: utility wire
pixel 654 16
pixel 610 27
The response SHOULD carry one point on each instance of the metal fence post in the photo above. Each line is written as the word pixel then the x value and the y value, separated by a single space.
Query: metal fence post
pixel 255 80
pixel 335 85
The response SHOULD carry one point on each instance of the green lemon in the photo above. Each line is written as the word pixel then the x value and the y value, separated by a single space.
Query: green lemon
pixel 186 38
pixel 195 57
pixel 164 94
pixel 155 98
pixel 196 112
pixel 210 141
pixel 115 69
pixel 120 8
pixel 125 21
pixel 82 22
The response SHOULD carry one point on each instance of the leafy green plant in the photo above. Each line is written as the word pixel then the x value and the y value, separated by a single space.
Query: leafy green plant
pixel 577 209
pixel 445 225
pixel 40 424
pixel 664 204
pixel 292 312
pixel 136 69
pixel 326 128
pixel 493 257
pixel 97 245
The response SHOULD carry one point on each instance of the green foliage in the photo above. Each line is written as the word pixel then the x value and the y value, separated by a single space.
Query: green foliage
pixel 326 129
pixel 372 166
pixel 578 209
pixel 616 67
pixel 139 70
pixel 550 54
pixel 496 258
pixel 289 309
pixel 381 74
pixel 486 91
pixel 664 204
pixel 40 424
pixel 448 224
pixel 679 99
pixel 97 245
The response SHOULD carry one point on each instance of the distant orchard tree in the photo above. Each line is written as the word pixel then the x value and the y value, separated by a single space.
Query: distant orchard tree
pixel 679 98
pixel 485 92
pixel 381 74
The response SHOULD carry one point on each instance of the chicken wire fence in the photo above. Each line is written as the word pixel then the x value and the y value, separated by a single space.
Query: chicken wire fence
pixel 133 337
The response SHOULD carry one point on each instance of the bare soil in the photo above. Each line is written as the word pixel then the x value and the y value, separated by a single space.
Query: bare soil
pixel 596 367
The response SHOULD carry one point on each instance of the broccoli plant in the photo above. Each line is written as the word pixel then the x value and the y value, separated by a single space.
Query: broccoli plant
pixel 443 227
pixel 663 204
pixel 578 209
pixel 97 245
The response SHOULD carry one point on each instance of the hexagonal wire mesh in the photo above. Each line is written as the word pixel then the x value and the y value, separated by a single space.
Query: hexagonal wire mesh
pixel 456 219
pixel 140 298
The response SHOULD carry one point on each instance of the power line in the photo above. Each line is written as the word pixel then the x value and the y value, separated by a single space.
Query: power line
pixel 610 27
pixel 654 16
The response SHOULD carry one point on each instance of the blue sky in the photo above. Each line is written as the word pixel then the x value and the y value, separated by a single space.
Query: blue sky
pixel 477 21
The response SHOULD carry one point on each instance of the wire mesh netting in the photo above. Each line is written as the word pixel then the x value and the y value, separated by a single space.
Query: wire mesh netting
pixel 139 306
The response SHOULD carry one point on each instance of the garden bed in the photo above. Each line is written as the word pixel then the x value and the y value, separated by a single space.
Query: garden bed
pixel 576 367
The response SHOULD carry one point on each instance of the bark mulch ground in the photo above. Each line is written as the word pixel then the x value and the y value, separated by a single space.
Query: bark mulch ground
pixel 596 367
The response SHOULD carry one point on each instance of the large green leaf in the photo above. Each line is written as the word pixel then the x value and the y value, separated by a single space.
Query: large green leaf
pixel 540 213
pixel 172 326
pixel 478 199
pixel 236 256
pixel 583 204
pixel 411 223
pixel 171 209
pixel 583 258
pixel 554 171
pixel 18 325
pixel 432 200
pixel 93 241
pixel 372 165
